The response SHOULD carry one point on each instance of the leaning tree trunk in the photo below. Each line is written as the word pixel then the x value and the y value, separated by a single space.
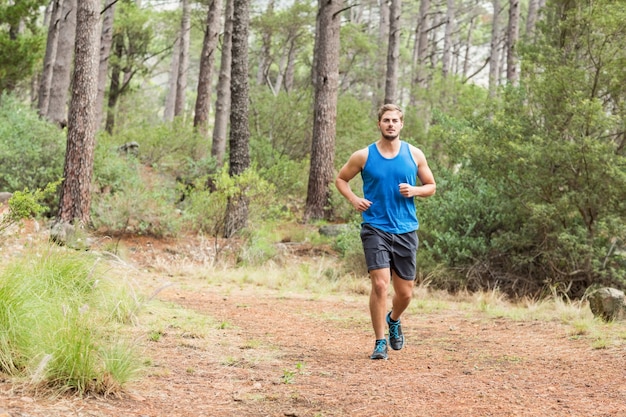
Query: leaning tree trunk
pixel 325 111
pixel 222 103
pixel 75 199
pixel 237 210
pixel 205 78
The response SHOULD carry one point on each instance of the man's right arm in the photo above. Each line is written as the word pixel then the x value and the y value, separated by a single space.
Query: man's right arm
pixel 354 165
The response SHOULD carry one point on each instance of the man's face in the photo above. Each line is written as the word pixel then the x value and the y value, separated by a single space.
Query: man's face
pixel 390 125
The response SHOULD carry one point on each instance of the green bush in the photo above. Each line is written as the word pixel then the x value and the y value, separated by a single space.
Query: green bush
pixel 163 146
pixel 350 247
pixel 204 207
pixel 31 150
pixel 144 208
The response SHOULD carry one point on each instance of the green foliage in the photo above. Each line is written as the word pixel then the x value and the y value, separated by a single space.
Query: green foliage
pixel 55 327
pixel 356 127
pixel 31 150
pixel 20 49
pixel 26 204
pixel 163 145
pixel 279 30
pixel 350 247
pixel 282 122
pixel 534 192
pixel 130 197
pixel 204 207
pixel 142 207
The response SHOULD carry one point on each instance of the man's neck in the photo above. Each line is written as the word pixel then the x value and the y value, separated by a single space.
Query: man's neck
pixel 388 148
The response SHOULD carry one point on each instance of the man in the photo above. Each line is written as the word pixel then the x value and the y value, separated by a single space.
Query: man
pixel 390 169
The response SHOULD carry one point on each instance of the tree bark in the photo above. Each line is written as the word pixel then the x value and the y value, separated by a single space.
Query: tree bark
pixel 512 74
pixel 183 61
pixel 207 59
pixel 237 210
pixel 468 45
pixel 222 103
pixel 421 50
pixel 62 69
pixel 447 39
pixel 106 41
pixel 325 111
pixel 383 47
pixel 49 58
pixel 170 99
pixel 393 52
pixel 75 199
pixel 494 69
pixel 114 88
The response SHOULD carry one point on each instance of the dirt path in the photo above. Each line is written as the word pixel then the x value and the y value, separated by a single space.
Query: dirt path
pixel 271 354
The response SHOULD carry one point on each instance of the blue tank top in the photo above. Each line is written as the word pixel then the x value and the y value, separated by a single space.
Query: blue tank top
pixel 390 211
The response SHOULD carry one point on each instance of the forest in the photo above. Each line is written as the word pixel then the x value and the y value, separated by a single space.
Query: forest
pixel 228 118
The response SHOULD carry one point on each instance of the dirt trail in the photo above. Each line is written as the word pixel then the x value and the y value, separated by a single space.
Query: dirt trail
pixel 288 355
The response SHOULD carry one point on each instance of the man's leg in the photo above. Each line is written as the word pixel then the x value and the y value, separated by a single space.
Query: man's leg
pixel 403 292
pixel 378 300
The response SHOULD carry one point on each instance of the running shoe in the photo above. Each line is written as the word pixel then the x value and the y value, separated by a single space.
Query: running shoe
pixel 396 338
pixel 380 350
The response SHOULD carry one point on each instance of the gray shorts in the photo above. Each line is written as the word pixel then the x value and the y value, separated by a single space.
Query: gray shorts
pixel 388 250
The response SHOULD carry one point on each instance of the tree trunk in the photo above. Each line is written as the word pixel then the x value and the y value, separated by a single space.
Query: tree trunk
pixel 468 45
pixel 222 104
pixel 183 61
pixel 494 69
pixel 205 78
pixel 512 38
pixel 170 99
pixel 291 65
pixel 393 52
pixel 49 58
pixel 62 69
pixel 531 19
pixel 75 199
pixel 325 111
pixel 421 50
pixel 382 52
pixel 106 41
pixel 447 39
pixel 237 210
pixel 114 88
pixel 266 49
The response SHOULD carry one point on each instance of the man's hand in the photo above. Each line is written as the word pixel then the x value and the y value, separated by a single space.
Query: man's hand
pixel 361 204
pixel 406 189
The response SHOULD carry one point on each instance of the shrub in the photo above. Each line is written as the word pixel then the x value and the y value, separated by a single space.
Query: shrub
pixel 204 208
pixel 31 149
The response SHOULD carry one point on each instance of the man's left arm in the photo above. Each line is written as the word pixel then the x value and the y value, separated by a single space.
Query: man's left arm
pixel 425 175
